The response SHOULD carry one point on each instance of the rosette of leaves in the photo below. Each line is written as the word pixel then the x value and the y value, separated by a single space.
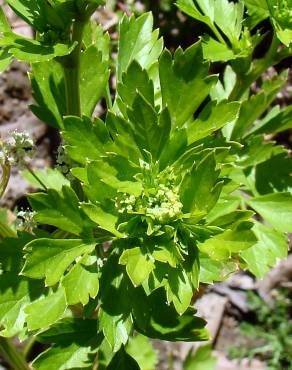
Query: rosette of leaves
pixel 155 182
pixel 149 175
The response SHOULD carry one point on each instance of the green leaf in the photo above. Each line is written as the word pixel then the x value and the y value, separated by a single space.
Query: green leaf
pixel 155 318
pixel 274 175
pixel 150 131
pixel 212 271
pixel 4 24
pixel 70 330
pixel 222 246
pixel 271 247
pixel 60 209
pixel 103 219
pixel 138 265
pixel 257 11
pixel 93 79
pixel 52 308
pixel 202 359
pixel 5 59
pixel 141 349
pixel 216 51
pixel 254 107
pixel 116 172
pixel 75 344
pixel 227 16
pixel 179 290
pixel 37 13
pixel 222 90
pixel 49 258
pixel 72 356
pixel 280 12
pixel 82 281
pixel 275 121
pixel 135 79
pixel 276 209
pixel 189 7
pixel 93 136
pixel 116 328
pixel 123 361
pixel 33 51
pixel 200 189
pixel 16 293
pixel 184 88
pixel 213 117
pixel 11 252
pixel 47 80
pixel 137 42
pixel 52 178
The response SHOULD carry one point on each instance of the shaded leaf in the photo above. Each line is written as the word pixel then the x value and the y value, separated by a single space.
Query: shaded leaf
pixel 49 258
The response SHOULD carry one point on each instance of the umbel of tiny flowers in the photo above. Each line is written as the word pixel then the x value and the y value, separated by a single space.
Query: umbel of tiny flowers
pixel 25 220
pixel 17 149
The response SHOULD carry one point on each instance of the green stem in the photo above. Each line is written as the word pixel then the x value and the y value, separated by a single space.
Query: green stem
pixel 29 346
pixel 108 97
pixel 12 356
pixel 217 34
pixel 71 65
pixel 30 170
pixel 5 177
pixel 259 67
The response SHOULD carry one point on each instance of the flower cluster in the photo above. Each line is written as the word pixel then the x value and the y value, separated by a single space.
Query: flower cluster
pixel 64 163
pixel 17 149
pixel 161 204
pixel 25 220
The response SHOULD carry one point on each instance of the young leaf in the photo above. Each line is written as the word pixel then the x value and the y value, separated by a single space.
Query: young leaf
pixel 82 281
pixel 49 258
pixel 184 88
pixel 52 308
pixel 137 42
pixel 137 264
